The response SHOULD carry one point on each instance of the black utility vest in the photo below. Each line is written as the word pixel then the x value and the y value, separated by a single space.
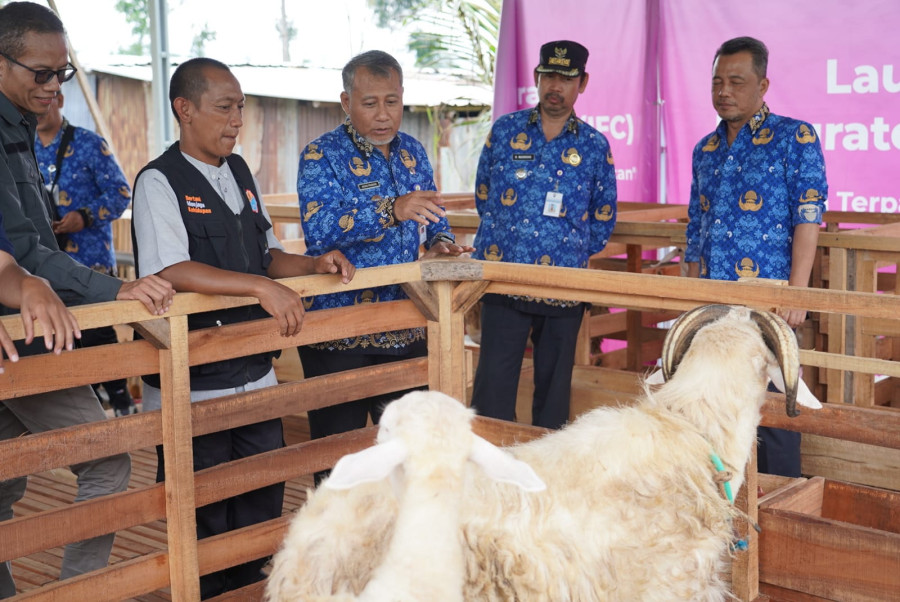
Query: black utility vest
pixel 218 237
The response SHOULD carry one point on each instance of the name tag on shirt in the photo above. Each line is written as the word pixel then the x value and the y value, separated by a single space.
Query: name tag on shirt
pixel 423 233
pixel 553 204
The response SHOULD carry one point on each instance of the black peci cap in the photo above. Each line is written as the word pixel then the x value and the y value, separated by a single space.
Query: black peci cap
pixel 564 56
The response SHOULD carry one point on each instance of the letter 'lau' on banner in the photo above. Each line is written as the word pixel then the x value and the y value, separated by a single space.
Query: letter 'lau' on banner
pixel 830 64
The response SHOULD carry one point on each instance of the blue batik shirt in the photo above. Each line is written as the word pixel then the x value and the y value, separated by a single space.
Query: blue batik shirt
pixel 346 188
pixel 747 198
pixel 92 182
pixel 519 167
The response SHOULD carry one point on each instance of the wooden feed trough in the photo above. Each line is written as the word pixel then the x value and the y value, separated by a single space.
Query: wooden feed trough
pixel 441 293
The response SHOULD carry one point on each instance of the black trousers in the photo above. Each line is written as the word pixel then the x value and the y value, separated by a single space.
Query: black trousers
pixel 241 510
pixel 504 335
pixel 778 452
pixel 350 415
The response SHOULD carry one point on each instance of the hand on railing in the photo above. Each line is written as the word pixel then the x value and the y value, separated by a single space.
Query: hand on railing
pixel 154 292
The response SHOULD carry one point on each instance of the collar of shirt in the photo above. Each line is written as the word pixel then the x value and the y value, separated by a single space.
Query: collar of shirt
pixel 571 124
pixel 57 138
pixel 11 114
pixel 754 124
pixel 364 146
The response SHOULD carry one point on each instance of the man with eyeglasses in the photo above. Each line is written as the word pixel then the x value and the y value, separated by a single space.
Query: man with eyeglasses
pixel 33 64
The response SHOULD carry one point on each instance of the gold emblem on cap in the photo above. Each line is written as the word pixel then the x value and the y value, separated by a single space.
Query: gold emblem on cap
pixel 560 58
pixel 571 157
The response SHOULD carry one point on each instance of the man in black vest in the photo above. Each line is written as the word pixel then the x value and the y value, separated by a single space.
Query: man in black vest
pixel 199 223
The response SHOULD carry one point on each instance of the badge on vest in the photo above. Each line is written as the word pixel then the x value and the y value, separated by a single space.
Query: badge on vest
pixel 196 205
pixel 251 198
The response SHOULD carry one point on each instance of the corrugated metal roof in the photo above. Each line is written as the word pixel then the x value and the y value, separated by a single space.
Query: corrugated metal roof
pixel 322 85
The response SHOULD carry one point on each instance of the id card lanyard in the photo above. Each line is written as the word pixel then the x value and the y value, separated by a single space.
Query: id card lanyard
pixel 553 202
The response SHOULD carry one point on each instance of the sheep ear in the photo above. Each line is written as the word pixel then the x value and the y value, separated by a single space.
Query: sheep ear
pixel 503 467
pixel 656 378
pixel 804 395
pixel 371 464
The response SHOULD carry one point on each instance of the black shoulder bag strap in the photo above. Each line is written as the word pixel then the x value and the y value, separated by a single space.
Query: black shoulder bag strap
pixel 68 134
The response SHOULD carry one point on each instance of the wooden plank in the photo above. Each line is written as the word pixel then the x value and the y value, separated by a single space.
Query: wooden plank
pixel 864 384
pixel 839 561
pixel 872 426
pixel 175 389
pixel 647 291
pixel 851 461
pixel 77 368
pixel 65 522
pixel 233 340
pixel 745 564
pixel 835 378
pixel 61 447
pixel 863 506
pixel 446 370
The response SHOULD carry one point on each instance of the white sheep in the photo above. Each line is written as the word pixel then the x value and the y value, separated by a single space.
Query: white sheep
pixel 632 510
pixel 423 445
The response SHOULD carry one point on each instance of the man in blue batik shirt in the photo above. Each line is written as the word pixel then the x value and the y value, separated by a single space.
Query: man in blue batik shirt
pixel 367 189
pixel 757 197
pixel 89 191
pixel 546 195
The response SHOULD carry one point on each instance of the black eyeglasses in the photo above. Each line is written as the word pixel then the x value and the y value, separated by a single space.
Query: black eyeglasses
pixel 42 76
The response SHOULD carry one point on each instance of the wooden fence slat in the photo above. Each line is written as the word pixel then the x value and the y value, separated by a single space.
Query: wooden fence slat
pixel 181 524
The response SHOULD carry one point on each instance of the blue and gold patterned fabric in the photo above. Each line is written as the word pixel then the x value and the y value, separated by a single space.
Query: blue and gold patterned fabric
pixel 346 189
pixel 90 181
pixel 747 198
pixel 519 167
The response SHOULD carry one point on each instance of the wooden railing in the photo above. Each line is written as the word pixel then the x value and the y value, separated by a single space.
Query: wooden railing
pixel 441 292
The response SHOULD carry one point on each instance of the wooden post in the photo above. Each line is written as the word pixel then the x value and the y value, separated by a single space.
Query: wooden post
pixel 633 321
pixel 745 566
pixel 446 336
pixel 837 324
pixel 864 344
pixel 181 522
pixel 446 361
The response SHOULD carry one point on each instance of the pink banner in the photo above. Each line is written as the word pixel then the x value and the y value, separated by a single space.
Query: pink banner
pixel 832 63
pixel 620 99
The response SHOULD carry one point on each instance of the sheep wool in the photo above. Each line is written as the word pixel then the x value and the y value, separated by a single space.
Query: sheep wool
pixel 631 510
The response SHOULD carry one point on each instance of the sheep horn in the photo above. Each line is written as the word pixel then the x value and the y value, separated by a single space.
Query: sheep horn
pixel 680 336
pixel 780 339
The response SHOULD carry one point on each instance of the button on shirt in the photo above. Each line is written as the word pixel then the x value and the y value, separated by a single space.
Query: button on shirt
pixel 747 198
pixel 519 167
pixel 90 179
